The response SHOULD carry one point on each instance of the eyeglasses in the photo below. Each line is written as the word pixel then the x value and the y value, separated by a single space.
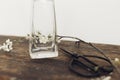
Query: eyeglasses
pixel 87 65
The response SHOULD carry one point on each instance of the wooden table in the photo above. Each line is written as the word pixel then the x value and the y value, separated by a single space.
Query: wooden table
pixel 17 64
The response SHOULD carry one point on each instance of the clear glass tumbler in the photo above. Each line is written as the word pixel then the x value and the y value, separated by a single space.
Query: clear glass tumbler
pixel 43 33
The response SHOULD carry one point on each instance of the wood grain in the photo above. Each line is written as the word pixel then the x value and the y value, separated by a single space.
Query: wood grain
pixel 17 65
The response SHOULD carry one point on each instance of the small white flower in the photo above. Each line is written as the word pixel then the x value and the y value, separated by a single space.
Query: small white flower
pixel 37 33
pixel 58 40
pixel 8 40
pixel 39 38
pixel 50 38
pixel 36 41
pixel 116 59
pixel 28 37
pixel 7 46
pixel 7 50
pixel 43 40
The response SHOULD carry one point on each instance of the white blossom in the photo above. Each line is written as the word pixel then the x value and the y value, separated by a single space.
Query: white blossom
pixel 117 60
pixel 58 40
pixel 39 38
pixel 7 46
pixel 43 40
pixel 27 37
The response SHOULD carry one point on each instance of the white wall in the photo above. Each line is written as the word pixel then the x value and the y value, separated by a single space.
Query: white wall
pixel 91 20
pixel 15 17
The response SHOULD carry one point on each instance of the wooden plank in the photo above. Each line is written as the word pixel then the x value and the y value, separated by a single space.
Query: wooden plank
pixel 17 64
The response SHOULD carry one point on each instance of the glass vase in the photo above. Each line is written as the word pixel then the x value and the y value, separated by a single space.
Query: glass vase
pixel 43 32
